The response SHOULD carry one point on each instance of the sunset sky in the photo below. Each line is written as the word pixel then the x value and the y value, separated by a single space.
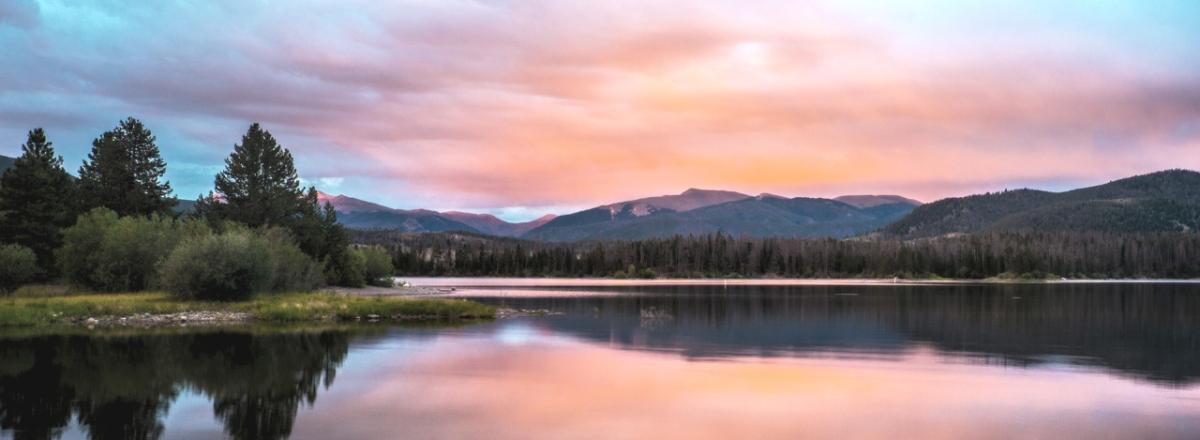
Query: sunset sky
pixel 519 108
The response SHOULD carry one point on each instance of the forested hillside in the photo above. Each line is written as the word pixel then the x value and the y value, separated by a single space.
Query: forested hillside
pixel 1162 201
pixel 762 216
pixel 989 254
pixel 409 221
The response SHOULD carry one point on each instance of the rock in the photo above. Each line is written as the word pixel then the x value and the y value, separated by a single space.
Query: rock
pixel 91 321
pixel 655 313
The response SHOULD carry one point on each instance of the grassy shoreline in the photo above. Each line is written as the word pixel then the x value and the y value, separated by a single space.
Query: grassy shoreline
pixel 50 306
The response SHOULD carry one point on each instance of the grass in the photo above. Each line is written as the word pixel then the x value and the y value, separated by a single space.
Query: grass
pixel 41 305
pixel 326 306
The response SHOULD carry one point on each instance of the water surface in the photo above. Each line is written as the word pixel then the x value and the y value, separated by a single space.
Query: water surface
pixel 849 360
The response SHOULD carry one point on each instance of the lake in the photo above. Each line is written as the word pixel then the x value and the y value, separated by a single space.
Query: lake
pixel 605 360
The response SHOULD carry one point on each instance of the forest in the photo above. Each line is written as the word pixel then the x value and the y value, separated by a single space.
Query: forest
pixel 1010 254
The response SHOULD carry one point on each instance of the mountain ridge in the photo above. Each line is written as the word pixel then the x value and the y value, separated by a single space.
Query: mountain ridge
pixel 361 214
pixel 869 200
pixel 1162 201
pixel 710 211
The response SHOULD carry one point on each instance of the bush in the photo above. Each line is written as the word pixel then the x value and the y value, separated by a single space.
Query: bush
pixel 131 252
pixel 291 269
pixel 111 254
pixel 346 268
pixel 80 254
pixel 229 266
pixel 18 265
pixel 377 266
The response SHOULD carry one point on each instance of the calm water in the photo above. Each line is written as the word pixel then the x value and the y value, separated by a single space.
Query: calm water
pixel 659 361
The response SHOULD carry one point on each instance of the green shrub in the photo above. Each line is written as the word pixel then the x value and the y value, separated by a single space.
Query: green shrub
pixel 291 269
pixel 132 250
pixel 346 268
pixel 18 265
pixel 79 255
pixel 229 266
pixel 377 266
pixel 112 254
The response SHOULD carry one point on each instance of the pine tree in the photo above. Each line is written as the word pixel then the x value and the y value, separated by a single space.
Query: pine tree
pixel 319 235
pixel 336 257
pixel 124 172
pixel 310 229
pixel 259 186
pixel 36 200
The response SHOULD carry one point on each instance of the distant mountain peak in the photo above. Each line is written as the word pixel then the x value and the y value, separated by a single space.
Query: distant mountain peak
pixel 689 199
pixel 871 200
pixel 344 203
pixel 701 191
pixel 361 214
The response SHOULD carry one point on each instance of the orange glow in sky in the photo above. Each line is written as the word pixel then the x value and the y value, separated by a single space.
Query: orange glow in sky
pixel 523 107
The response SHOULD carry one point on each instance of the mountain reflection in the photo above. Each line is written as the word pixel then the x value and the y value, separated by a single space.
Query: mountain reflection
pixel 120 387
pixel 1146 331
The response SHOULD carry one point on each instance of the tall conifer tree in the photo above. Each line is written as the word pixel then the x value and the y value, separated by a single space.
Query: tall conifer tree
pixel 259 186
pixel 124 172
pixel 36 200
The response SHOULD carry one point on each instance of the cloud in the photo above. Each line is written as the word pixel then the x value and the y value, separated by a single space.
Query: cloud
pixel 510 105
pixel 21 14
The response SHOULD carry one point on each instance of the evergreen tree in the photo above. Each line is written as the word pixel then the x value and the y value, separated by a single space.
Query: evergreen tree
pixel 319 234
pixel 36 200
pixel 259 186
pixel 124 172
pixel 310 229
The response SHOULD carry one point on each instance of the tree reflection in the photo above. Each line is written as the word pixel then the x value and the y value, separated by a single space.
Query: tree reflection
pixel 1146 331
pixel 121 386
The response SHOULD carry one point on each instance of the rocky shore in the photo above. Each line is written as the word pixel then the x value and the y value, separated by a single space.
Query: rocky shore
pixel 166 319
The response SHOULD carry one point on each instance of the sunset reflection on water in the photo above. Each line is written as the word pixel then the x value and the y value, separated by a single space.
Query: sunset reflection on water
pixel 543 385
pixel 688 361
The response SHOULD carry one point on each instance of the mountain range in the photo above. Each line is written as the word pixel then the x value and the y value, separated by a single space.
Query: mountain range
pixel 1157 202
pixel 1164 201
pixel 699 211
pixel 695 211
pixel 361 214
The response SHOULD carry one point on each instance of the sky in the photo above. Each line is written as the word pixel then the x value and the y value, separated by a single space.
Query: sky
pixel 519 108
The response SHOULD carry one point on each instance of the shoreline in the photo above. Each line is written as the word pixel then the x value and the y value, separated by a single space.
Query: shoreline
pixel 158 309
pixel 444 285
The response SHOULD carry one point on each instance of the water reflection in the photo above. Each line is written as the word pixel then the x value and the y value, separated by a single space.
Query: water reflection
pixel 1080 361
pixel 121 386
pixel 1146 331
pixel 489 384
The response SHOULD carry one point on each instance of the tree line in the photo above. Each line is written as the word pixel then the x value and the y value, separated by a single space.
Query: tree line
pixel 114 227
pixel 1016 254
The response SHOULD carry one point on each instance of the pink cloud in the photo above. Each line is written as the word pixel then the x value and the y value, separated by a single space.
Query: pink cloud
pixel 496 104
